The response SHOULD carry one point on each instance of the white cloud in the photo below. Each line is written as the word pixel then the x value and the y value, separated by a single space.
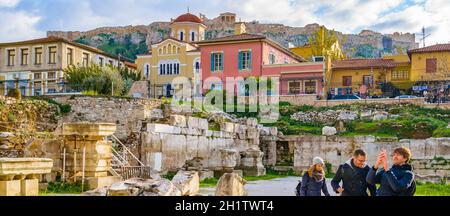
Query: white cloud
pixel 348 16
pixel 8 3
pixel 433 15
pixel 18 26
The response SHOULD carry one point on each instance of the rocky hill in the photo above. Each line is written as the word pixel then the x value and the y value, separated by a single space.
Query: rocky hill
pixel 132 40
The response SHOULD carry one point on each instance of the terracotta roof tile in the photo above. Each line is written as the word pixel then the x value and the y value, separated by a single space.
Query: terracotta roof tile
pixel 363 63
pixel 434 48
pixel 188 17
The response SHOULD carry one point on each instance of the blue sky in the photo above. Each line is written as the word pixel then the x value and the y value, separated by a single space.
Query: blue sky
pixel 26 19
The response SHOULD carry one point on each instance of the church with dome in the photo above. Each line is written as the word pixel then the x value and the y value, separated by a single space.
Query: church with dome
pixel 175 56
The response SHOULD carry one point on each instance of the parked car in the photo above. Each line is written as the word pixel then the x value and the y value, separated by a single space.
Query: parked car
pixel 405 96
pixel 346 97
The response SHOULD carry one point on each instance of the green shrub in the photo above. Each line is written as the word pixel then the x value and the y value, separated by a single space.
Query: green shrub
pixel 169 175
pixel 63 108
pixel 65 187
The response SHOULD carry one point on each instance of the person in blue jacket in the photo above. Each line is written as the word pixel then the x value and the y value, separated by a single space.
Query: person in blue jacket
pixel 397 180
pixel 353 175
pixel 313 181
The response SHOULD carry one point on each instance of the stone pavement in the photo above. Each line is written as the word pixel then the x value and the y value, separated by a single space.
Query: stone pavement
pixel 274 187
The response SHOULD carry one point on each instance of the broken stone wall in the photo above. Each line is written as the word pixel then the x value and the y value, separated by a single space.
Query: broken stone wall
pixel 127 113
pixel 169 146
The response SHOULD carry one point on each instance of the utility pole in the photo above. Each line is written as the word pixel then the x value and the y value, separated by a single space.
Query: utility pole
pixel 424 36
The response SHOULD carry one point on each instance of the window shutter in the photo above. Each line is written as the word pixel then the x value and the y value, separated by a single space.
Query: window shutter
pixel 212 62
pixel 431 65
pixel 240 60
pixel 221 61
pixel 250 60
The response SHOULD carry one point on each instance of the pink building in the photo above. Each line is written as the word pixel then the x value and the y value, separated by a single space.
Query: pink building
pixel 250 55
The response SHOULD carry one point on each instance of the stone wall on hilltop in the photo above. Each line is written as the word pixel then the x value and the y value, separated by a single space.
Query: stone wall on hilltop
pixel 365 44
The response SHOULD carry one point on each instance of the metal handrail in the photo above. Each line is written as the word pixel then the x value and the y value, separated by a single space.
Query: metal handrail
pixel 128 150
pixel 119 158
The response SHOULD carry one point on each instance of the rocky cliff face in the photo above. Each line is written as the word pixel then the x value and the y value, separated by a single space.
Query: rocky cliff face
pixel 133 40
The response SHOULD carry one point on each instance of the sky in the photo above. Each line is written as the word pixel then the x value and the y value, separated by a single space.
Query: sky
pixel 27 19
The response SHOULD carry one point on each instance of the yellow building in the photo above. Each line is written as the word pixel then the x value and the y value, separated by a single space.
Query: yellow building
pixel 36 66
pixel 307 52
pixel 430 63
pixel 385 76
pixel 174 57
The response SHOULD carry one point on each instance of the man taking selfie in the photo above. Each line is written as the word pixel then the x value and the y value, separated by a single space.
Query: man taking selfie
pixel 397 180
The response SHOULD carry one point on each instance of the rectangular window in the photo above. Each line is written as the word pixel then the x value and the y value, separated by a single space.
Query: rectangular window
pixel 85 59
pixel 245 59
pixel 100 61
pixel 37 76
pixel 310 87
pixel 51 75
pixel 69 56
pixel 52 55
pixel 216 62
pixel 367 80
pixel 400 74
pixel 294 87
pixel 347 81
pixel 431 65
pixel 271 58
pixel 11 57
pixel 38 55
pixel 24 57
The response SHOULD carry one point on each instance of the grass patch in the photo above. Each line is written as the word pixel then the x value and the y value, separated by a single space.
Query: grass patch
pixel 209 182
pixel 63 188
pixel 430 189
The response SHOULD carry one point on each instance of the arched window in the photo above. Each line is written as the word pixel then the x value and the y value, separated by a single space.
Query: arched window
pixel 192 36
pixel 178 50
pixel 181 36
pixel 197 66
pixel 169 51
pixel 147 70
pixel 167 68
pixel 160 51
pixel 165 50
pixel 174 50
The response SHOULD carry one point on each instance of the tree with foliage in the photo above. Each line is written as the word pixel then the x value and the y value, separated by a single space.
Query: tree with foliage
pixel 107 80
pixel 323 43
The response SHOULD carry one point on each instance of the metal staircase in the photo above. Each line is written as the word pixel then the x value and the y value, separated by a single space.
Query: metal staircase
pixel 125 164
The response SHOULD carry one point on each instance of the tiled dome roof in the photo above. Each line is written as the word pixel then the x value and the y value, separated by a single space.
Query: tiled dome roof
pixel 188 17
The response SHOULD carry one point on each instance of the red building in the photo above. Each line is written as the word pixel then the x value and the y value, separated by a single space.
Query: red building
pixel 250 55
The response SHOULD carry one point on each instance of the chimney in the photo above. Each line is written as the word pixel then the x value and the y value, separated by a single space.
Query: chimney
pixel 239 28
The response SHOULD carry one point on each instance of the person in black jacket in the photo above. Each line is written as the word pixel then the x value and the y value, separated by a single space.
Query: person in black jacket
pixel 313 181
pixel 353 176
pixel 397 180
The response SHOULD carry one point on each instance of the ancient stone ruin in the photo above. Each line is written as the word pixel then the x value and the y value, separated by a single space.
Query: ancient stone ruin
pixel 20 176
pixel 234 147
